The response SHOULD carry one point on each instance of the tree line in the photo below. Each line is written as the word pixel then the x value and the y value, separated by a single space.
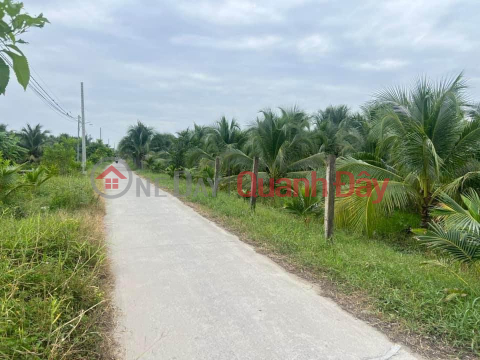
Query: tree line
pixel 424 139
pixel 33 155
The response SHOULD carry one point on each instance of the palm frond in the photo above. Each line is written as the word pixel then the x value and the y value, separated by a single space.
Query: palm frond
pixel 356 166
pixel 455 216
pixel 314 161
pixel 236 157
pixel 462 246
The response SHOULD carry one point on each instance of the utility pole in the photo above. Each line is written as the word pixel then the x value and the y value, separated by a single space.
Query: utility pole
pixel 84 147
pixel 100 134
pixel 78 138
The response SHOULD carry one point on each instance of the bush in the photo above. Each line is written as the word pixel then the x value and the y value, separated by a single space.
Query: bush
pixel 60 158
pixel 98 150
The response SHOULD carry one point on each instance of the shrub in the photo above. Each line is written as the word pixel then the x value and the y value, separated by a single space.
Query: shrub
pixel 60 157
pixel 304 204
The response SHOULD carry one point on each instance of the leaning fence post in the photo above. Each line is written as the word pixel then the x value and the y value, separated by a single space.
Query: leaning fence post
pixel 330 200
pixel 253 191
pixel 217 176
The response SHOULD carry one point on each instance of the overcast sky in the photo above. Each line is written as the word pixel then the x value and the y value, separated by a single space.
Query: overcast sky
pixel 174 62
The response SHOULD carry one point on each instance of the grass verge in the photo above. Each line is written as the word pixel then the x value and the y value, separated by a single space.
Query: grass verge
pixel 395 287
pixel 54 279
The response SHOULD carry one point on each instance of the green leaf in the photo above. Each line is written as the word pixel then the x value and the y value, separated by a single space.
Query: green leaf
pixel 4 29
pixel 12 37
pixel 20 66
pixel 14 47
pixel 4 76
pixel 13 9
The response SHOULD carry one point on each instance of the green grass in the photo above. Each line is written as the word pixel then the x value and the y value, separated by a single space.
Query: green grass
pixel 53 273
pixel 390 272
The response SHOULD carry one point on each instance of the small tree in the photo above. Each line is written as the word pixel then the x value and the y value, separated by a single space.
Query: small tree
pixel 137 142
pixel 32 139
pixel 60 158
pixel 98 150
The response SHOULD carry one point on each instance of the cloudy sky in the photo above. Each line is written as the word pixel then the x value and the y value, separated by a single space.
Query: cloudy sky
pixel 174 62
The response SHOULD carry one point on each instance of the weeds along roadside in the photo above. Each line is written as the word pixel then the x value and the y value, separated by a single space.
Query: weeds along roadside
pixel 54 278
pixel 385 280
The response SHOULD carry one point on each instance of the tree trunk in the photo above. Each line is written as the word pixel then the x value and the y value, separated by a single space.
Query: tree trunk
pixel 138 162
pixel 426 218
pixel 330 200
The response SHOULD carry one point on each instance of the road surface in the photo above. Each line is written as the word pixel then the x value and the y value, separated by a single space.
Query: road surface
pixel 187 289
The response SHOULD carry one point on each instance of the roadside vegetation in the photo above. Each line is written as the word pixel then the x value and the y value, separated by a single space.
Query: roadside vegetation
pixel 54 279
pixel 414 254
pixel 53 275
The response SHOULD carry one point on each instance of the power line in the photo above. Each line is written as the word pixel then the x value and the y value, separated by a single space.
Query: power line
pixel 43 95
pixel 50 97
pixel 46 85
pixel 49 104
pixel 52 101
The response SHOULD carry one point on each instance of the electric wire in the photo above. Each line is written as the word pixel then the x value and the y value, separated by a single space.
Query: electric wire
pixel 43 95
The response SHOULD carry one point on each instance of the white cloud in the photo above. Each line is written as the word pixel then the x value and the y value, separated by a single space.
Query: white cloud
pixel 314 45
pixel 241 43
pixel 81 13
pixel 445 40
pixel 150 77
pixel 403 23
pixel 379 65
pixel 204 77
pixel 234 12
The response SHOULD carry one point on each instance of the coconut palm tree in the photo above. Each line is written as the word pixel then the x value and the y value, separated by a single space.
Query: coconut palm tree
pixel 161 142
pixel 282 143
pixel 336 132
pixel 176 155
pixel 425 145
pixel 227 134
pixel 216 141
pixel 32 139
pixel 136 143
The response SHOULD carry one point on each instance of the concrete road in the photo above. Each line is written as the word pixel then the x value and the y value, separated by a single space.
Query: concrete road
pixel 187 289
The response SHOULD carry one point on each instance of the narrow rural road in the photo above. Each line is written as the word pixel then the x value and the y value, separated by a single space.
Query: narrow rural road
pixel 187 289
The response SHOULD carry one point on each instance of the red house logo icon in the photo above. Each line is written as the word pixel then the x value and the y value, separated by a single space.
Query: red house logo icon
pixel 111 183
